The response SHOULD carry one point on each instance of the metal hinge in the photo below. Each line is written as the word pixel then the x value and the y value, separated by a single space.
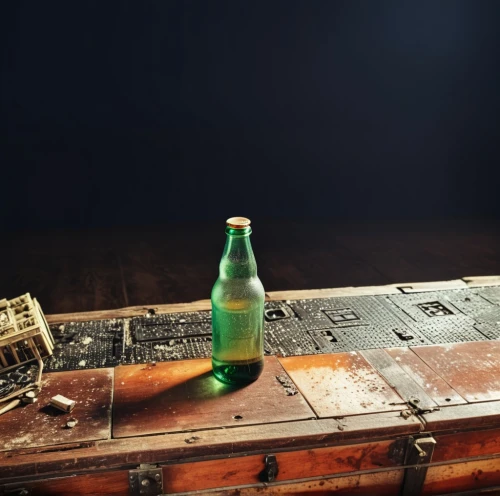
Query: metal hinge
pixel 419 452
pixel 271 469
pixel 414 404
pixel 146 480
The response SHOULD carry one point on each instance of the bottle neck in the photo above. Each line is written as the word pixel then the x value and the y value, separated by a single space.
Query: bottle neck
pixel 238 260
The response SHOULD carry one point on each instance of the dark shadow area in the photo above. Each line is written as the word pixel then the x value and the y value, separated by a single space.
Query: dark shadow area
pixel 98 269
pixel 360 138
pixel 52 411
pixel 202 387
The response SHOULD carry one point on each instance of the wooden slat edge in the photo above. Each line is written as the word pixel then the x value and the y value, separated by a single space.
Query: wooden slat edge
pixel 308 294
pixel 236 441
pixel 479 281
pixel 136 311
pixel 463 416
pixel 141 310
pixel 421 287
pixel 397 378
pixel 305 294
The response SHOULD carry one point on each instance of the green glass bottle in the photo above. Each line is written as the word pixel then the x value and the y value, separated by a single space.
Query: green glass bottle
pixel 238 310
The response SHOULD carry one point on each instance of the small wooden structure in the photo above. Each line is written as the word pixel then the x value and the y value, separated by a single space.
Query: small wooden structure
pixel 24 332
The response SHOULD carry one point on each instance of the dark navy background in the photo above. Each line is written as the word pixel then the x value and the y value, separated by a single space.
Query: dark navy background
pixel 131 112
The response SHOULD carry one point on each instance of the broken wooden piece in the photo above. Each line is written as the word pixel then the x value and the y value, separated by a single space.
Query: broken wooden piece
pixel 30 397
pixel 9 406
pixel 23 329
pixel 62 403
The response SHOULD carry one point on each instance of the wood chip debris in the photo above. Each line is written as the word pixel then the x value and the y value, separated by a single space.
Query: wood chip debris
pixel 62 403
pixel 289 386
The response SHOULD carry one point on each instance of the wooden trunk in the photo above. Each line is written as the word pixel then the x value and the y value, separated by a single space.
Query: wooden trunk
pixel 420 420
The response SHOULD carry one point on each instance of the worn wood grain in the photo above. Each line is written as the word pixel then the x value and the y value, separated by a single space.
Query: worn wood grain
pixel 396 377
pixel 472 369
pixel 434 385
pixel 460 477
pixel 476 415
pixel 468 444
pixel 177 396
pixel 480 281
pixel 41 425
pixel 97 484
pixel 200 305
pixel 341 384
pixel 207 443
pixel 373 484
pixel 332 292
pixel 292 465
pixel 394 257
pixel 134 311
pixel 421 287
pixel 139 310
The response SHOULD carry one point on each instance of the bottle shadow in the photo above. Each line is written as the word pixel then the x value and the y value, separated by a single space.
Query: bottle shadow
pixel 189 396
pixel 204 387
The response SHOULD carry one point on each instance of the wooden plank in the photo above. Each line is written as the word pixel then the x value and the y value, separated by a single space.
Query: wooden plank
pixel 40 425
pixel 460 477
pixel 292 465
pixel 141 310
pixel 469 444
pixel 104 484
pixel 374 484
pixel 476 415
pixel 135 311
pixel 434 385
pixel 341 384
pixel 209 443
pixel 472 369
pixel 389 254
pixel 333 292
pixel 481 281
pixel 396 377
pixel 421 287
pixel 13 350
pixel 2 359
pixel 177 396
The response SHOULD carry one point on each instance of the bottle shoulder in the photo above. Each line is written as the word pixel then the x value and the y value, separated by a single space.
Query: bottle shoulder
pixel 231 288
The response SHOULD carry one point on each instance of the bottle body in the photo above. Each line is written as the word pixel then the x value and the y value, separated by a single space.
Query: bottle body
pixel 237 313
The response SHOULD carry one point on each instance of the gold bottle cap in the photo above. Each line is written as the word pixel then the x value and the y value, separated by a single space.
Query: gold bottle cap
pixel 238 222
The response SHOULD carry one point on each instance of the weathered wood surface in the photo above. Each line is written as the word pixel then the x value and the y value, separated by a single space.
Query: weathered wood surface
pixel 421 287
pixel 109 483
pixel 472 369
pixel 397 378
pixel 468 444
pixel 434 385
pixel 461 477
pixel 471 415
pixel 200 305
pixel 177 396
pixel 207 443
pixel 39 424
pixel 139 310
pixel 292 465
pixel 341 384
pixel 374 484
pixel 481 281
pixel 135 311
